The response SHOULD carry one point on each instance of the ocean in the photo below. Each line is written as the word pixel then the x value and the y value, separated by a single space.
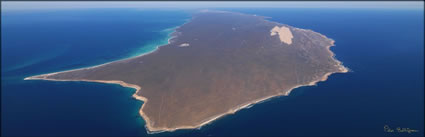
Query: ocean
pixel 383 48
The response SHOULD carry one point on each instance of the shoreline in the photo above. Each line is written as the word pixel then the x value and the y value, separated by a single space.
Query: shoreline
pixel 153 130
pixel 170 37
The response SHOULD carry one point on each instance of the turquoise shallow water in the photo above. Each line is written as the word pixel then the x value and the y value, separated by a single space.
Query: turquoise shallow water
pixel 383 48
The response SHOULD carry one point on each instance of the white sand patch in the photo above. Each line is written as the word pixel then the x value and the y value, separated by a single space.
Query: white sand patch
pixel 284 33
pixel 184 45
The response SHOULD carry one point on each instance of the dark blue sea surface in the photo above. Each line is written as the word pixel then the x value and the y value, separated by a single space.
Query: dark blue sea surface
pixel 383 48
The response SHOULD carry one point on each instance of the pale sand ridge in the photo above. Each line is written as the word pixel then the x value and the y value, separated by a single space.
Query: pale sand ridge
pixel 284 33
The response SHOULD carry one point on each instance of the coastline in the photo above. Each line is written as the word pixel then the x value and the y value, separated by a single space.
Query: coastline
pixel 169 36
pixel 247 105
pixel 153 130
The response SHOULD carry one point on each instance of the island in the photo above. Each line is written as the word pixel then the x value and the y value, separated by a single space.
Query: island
pixel 215 64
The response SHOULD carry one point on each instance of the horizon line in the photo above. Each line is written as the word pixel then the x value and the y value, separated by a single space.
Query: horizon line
pixel 57 5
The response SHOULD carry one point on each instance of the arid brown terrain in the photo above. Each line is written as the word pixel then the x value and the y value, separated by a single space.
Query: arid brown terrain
pixel 215 64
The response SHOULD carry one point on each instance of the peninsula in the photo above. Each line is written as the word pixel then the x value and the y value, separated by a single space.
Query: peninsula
pixel 215 64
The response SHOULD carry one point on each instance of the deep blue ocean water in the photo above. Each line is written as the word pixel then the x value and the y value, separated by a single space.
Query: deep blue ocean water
pixel 384 48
